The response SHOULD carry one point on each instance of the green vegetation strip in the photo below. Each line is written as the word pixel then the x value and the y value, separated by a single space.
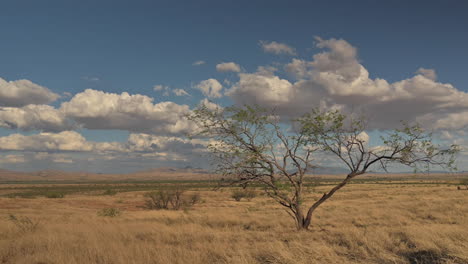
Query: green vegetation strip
pixel 52 190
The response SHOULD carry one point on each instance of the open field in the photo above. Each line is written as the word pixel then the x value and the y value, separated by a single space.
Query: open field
pixel 373 221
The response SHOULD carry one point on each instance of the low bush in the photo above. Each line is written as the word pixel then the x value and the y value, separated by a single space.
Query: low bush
pixel 463 184
pixel 195 198
pixel 171 199
pixel 250 194
pixel 238 195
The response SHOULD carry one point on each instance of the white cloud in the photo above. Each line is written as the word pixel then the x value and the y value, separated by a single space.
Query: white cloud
pixel 211 88
pixel 266 70
pixel 63 141
pixel 33 117
pixel 335 78
pixel 277 48
pixel 261 89
pixel 24 92
pixel 228 67
pixel 67 141
pixel 210 105
pixel 198 63
pixel 99 110
pixel 160 87
pixel 68 146
pixel 180 92
pixel 152 143
pixel 298 68
pixel 428 73
pixel 166 90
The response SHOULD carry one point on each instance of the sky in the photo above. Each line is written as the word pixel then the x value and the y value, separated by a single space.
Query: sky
pixel 103 86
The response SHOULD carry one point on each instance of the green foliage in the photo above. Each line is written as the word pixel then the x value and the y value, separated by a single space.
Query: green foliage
pixel 26 190
pixel 339 135
pixel 109 212
pixel 24 224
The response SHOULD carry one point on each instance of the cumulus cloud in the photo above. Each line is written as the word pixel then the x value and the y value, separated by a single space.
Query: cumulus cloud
pixel 153 143
pixel 94 109
pixel 33 117
pixel 63 141
pixel 137 113
pixel 298 68
pixel 211 88
pixel 261 89
pixel 23 92
pixel 335 78
pixel 67 141
pixel 228 67
pixel 277 48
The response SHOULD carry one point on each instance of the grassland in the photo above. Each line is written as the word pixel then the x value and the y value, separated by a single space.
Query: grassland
pixel 373 221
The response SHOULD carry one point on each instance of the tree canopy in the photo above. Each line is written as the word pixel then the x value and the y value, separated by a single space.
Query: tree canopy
pixel 252 145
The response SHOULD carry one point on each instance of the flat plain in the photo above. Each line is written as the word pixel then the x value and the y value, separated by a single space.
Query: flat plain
pixel 392 220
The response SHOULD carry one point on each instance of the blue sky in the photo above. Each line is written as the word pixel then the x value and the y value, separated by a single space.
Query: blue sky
pixel 131 46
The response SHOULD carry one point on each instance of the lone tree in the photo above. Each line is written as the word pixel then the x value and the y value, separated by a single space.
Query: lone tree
pixel 252 146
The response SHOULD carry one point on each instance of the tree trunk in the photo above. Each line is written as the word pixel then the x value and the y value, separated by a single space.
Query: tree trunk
pixel 305 221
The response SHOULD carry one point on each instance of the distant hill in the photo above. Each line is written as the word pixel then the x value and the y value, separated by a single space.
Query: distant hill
pixel 189 173
pixel 165 173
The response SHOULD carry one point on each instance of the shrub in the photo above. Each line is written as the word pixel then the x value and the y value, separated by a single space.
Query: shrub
pixel 173 199
pixel 195 198
pixel 110 212
pixel 238 195
pixel 24 224
pixel 463 183
pixel 250 194
pixel 158 200
pixel 54 195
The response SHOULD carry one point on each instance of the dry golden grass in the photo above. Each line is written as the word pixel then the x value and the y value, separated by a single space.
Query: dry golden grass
pixel 363 223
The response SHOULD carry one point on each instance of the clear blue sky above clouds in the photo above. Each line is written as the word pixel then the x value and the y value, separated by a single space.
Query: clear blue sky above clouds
pixel 131 46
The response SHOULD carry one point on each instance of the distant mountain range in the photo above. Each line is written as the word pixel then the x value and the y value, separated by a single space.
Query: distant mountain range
pixel 164 173
pixel 170 173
